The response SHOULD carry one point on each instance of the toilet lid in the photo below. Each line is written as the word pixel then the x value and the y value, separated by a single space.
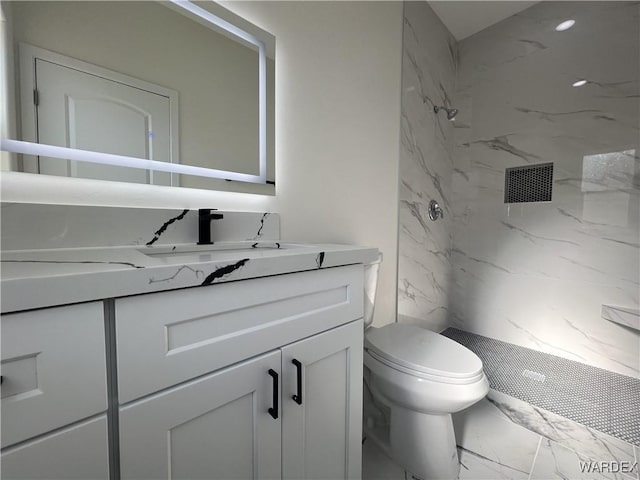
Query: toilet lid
pixel 422 350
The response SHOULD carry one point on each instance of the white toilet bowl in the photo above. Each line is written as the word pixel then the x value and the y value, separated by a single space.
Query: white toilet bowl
pixel 422 377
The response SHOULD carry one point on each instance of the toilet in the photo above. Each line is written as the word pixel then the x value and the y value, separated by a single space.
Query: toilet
pixel 420 378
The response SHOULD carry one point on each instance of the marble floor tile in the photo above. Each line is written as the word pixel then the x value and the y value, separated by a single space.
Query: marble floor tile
pixel 474 466
pixel 482 430
pixel 557 462
pixel 505 438
pixel 377 466
pixel 587 441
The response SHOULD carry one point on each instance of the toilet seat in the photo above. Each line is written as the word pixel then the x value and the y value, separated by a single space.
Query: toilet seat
pixel 423 353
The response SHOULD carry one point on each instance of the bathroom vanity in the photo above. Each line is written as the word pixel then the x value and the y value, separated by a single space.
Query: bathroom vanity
pixel 242 359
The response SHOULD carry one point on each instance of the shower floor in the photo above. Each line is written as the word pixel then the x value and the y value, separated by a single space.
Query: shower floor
pixel 600 399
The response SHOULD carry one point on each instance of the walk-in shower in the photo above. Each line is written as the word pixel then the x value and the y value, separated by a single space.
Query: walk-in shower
pixel 539 180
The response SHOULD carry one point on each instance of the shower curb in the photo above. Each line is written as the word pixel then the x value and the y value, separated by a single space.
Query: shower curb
pixel 603 400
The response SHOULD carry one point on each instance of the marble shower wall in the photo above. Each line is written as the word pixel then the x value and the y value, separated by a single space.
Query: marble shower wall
pixel 426 164
pixel 538 274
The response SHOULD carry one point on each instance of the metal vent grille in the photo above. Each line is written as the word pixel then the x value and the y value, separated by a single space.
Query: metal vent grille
pixel 531 183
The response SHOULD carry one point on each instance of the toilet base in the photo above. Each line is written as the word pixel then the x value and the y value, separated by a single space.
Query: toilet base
pixel 424 444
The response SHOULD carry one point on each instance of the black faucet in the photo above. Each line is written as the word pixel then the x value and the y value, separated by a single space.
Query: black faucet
pixel 204 225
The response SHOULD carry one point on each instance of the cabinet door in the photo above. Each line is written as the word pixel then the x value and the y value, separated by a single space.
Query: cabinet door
pixel 215 427
pixel 78 452
pixel 322 435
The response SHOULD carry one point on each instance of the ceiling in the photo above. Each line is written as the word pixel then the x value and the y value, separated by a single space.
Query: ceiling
pixel 464 18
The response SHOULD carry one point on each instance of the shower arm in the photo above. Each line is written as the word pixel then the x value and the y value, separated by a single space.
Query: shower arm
pixel 451 112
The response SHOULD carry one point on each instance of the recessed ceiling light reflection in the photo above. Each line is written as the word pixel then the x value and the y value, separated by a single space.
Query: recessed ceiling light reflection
pixel 566 25
pixel 579 83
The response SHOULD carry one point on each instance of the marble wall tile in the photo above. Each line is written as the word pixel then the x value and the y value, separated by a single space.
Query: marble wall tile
pixel 28 226
pixel 556 316
pixel 426 165
pixel 628 317
pixel 537 274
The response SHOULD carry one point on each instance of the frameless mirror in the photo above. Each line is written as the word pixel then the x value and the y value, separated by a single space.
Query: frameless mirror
pixel 168 93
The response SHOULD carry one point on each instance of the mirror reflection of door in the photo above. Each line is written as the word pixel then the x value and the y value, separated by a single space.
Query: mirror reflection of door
pixel 86 111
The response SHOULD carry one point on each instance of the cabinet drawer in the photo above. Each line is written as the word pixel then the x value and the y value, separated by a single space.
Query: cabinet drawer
pixel 166 338
pixel 53 369
pixel 79 452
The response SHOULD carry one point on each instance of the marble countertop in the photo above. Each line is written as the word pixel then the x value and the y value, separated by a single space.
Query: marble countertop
pixel 47 277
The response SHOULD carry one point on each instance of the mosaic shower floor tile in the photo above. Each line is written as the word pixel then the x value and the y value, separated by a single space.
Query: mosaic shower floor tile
pixel 600 399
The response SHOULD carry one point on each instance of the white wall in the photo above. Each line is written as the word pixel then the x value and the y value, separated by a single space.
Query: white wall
pixel 337 135
pixel 7 87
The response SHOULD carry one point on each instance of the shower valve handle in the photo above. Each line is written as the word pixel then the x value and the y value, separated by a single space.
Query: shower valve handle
pixel 435 211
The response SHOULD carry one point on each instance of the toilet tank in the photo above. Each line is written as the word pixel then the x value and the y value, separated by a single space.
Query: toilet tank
pixel 370 286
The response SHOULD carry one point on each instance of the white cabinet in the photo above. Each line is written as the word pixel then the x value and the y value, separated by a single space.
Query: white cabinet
pixel 53 369
pixel 215 427
pixel 169 337
pixel 77 452
pixel 54 394
pixel 190 384
pixel 322 430
pixel 196 375
pixel 228 425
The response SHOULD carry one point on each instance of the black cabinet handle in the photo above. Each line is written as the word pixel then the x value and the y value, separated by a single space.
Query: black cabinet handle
pixel 298 396
pixel 273 411
pixel 1 379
